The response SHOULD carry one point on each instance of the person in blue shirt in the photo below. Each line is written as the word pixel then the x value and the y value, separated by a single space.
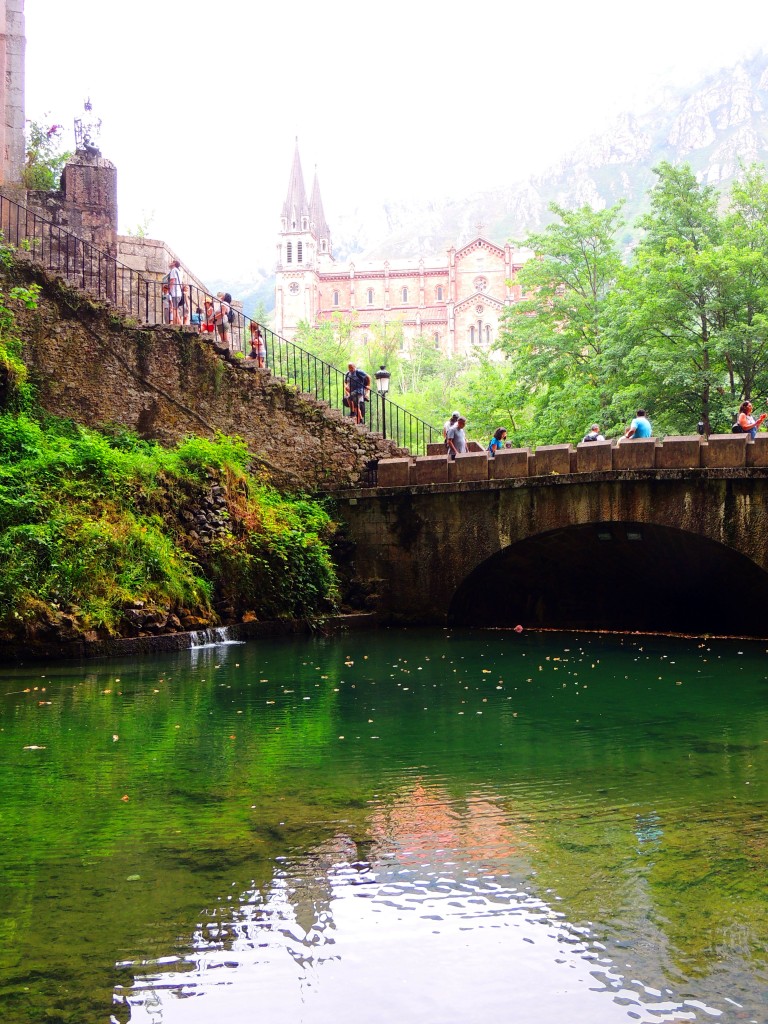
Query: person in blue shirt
pixel 497 441
pixel 640 426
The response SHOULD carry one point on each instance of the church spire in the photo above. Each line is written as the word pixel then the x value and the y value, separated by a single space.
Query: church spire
pixel 318 223
pixel 295 208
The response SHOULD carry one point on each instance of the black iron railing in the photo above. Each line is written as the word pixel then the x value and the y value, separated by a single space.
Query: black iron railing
pixel 146 300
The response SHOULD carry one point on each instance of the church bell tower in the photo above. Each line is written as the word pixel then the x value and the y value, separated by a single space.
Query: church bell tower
pixel 304 246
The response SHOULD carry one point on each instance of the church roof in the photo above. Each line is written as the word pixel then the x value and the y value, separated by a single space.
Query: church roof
pixel 296 206
pixel 316 213
pixel 479 243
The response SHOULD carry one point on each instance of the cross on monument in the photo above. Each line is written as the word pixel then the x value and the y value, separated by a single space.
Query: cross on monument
pixel 479 227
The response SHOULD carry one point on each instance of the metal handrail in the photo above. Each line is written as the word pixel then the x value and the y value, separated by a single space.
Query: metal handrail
pixel 92 270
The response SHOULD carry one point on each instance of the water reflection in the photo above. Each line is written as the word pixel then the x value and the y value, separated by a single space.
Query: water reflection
pixel 439 926
pixel 400 826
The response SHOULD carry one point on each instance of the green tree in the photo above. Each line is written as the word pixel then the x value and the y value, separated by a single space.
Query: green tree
pixel 331 341
pixel 672 306
pixel 555 338
pixel 744 268
pixel 385 344
pixel 45 160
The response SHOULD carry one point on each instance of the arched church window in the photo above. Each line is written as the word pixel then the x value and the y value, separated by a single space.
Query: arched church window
pixel 370 296
pixel 437 340
pixel 471 335
pixel 323 245
pixel 439 293
pixel 299 252
pixel 335 298
pixel 405 294
pixel 289 252
pixel 487 334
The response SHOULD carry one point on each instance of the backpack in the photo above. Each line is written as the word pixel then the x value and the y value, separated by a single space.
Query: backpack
pixel 737 429
pixel 231 315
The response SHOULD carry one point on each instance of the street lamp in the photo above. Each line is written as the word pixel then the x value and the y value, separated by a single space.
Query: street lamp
pixel 382 376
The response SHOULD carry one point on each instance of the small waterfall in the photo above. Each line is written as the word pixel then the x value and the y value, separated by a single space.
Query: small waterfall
pixel 216 636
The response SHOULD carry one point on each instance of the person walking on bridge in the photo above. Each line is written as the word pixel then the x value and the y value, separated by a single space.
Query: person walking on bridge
pixel 456 439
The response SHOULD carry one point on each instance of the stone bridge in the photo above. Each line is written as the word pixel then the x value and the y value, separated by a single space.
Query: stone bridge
pixel 642 535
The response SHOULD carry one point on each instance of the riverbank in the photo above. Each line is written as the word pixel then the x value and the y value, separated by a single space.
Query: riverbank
pixel 129 647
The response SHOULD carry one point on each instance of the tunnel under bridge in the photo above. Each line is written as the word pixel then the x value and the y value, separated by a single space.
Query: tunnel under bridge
pixel 679 551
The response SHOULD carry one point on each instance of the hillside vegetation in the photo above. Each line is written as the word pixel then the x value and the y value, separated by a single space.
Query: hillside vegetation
pixel 106 534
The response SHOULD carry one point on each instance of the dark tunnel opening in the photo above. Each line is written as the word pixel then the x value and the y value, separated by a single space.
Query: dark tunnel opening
pixel 617 576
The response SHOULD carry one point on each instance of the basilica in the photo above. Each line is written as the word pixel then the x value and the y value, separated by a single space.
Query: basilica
pixel 455 300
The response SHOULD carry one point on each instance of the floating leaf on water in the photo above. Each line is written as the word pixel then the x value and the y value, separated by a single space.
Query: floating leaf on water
pixel 125 798
pixel 133 878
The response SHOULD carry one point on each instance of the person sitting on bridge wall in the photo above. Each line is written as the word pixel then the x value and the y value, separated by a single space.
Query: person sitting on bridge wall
pixel 640 426
pixel 747 422
pixel 456 439
pixel 593 434
pixel 497 441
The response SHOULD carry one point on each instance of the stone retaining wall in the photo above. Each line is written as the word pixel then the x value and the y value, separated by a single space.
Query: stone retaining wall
pixel 718 451
pixel 166 383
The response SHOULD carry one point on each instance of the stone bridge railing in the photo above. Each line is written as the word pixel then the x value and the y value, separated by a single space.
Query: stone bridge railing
pixel 718 451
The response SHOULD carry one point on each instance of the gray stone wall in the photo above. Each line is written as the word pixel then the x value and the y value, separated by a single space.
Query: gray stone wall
pixel 12 45
pixel 422 543
pixel 86 202
pixel 168 383
pixel 151 257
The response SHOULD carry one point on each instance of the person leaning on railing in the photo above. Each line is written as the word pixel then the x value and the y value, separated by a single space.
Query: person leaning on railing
pixel 747 422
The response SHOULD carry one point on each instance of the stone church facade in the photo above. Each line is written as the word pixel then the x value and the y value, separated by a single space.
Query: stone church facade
pixel 455 300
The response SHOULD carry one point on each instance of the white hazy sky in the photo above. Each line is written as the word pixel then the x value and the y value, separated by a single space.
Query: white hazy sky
pixel 201 101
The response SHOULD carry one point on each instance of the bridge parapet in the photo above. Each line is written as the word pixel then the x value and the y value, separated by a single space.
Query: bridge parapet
pixel 718 451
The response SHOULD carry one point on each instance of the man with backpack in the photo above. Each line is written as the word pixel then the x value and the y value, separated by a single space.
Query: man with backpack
pixel 357 388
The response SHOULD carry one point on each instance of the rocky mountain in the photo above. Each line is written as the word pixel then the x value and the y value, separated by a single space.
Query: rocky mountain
pixel 716 126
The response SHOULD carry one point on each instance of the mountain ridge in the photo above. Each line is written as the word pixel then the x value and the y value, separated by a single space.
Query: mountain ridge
pixel 716 126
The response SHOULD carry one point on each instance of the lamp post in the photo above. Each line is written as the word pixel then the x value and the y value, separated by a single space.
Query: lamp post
pixel 382 376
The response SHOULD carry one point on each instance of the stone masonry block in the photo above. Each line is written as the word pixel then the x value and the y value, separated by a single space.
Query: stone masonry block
pixel 509 462
pixel 474 446
pixel 429 469
pixel 679 452
pixel 436 448
pixel 636 453
pixel 552 458
pixel 472 466
pixel 393 472
pixel 724 450
pixel 757 451
pixel 134 262
pixel 594 457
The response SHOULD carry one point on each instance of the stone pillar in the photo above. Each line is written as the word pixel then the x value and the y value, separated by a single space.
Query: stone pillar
pixel 89 185
pixel 12 44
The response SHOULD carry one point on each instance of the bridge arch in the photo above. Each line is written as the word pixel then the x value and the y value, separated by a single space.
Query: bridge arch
pixel 692 542
pixel 616 575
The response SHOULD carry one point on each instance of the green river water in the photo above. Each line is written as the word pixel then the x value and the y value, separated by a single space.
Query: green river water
pixel 388 827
